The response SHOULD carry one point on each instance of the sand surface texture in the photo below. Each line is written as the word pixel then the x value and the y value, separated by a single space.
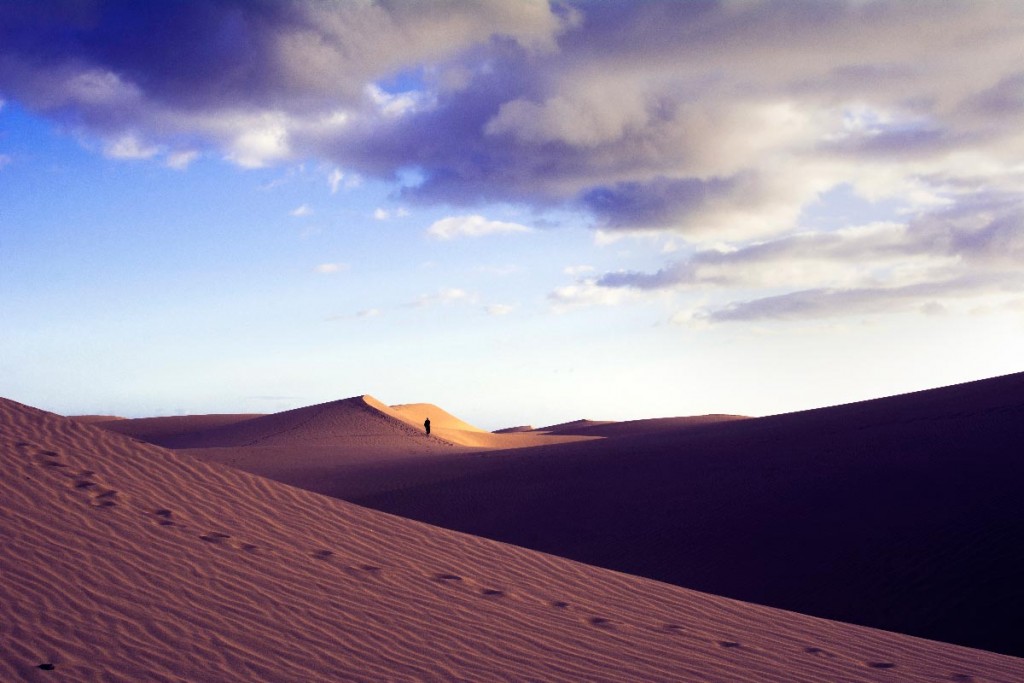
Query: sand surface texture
pixel 124 561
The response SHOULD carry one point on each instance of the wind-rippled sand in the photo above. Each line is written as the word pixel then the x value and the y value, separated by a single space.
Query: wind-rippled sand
pixel 123 561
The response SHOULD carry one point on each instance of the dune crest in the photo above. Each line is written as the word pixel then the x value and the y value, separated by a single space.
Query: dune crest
pixel 124 561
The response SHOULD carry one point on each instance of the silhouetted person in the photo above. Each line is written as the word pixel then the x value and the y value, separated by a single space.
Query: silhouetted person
pixel 426 425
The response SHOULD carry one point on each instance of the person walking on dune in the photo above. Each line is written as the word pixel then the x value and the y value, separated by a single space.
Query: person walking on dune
pixel 426 425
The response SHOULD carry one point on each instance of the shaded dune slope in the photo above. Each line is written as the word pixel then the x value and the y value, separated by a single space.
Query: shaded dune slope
pixel 632 428
pixel 360 417
pixel 903 513
pixel 164 430
pixel 125 562
pixel 359 425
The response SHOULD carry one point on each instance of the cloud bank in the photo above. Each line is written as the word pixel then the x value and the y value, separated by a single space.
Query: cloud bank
pixel 716 122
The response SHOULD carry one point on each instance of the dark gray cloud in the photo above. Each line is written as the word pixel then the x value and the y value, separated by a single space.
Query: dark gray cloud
pixel 709 119
pixel 831 302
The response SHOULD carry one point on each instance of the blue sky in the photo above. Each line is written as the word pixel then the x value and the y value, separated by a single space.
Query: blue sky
pixel 525 212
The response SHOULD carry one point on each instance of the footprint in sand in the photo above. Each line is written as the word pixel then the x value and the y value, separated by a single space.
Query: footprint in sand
pixel 818 652
pixel 322 554
pixel 215 537
pixel 961 678
pixel 672 628
pixel 560 604
pixel 165 517
pixel 105 499
pixel 601 622
pixel 492 593
pixel 447 578
pixel 881 665
pixel 728 644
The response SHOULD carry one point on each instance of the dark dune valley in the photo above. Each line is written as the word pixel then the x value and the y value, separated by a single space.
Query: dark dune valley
pixel 901 513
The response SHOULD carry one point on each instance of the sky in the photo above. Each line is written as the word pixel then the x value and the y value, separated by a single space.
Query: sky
pixel 525 212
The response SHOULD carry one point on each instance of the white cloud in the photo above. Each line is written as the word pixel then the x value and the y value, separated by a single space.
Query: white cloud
pixel 499 309
pixel 129 147
pixel 444 296
pixel 585 293
pixel 381 214
pixel 181 160
pixel 329 268
pixel 392 105
pixel 334 179
pixel 472 226
pixel 299 211
pixel 368 313
pixel 257 141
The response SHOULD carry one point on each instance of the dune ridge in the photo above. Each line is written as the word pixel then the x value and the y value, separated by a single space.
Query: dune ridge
pixel 125 561
pixel 902 513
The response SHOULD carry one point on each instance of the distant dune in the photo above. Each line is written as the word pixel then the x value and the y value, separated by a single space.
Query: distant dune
pixel 163 430
pixel 123 561
pixel 632 428
pixel 902 513
pixel 353 446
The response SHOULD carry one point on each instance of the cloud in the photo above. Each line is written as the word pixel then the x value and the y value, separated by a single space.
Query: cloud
pixel 299 211
pixel 471 226
pixel 444 296
pixel 586 293
pixel 822 303
pixel 716 125
pixel 334 179
pixel 182 159
pixel 129 147
pixel 281 67
pixel 5 160
pixel 330 268
pixel 499 309
pixel 368 313
pixel 970 249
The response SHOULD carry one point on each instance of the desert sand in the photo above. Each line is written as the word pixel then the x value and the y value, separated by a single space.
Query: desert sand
pixel 901 513
pixel 124 561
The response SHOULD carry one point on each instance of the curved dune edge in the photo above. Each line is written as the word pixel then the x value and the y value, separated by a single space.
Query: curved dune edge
pixel 124 562
pixel 353 424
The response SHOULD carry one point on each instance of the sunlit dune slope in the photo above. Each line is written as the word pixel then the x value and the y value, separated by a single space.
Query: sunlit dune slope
pixel 361 417
pixel 93 419
pixel 416 413
pixel 903 513
pixel 123 561
pixel 358 425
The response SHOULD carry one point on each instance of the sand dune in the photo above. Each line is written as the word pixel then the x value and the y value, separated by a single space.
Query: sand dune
pixel 902 513
pixel 354 446
pixel 631 428
pixel 163 430
pixel 124 561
